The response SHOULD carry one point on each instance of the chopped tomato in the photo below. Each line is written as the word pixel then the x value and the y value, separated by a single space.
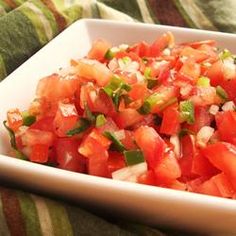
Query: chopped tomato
pixel 65 119
pixel 14 119
pixel 141 49
pixel 99 49
pixel 45 124
pixel 171 121
pixel 215 73
pixel 115 161
pixel 39 153
pixel 148 178
pixel 67 154
pixel 151 144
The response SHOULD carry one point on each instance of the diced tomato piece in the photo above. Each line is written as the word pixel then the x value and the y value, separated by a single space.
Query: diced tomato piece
pixel 223 156
pixel 215 73
pixel 198 44
pixel 65 119
pixel 226 125
pixel 98 166
pixel 160 44
pixel 68 157
pixel 188 150
pixel 209 188
pixel 39 153
pixel 151 144
pixel 55 88
pixel 202 117
pixel 128 141
pixel 99 49
pixel 94 145
pixel 142 49
pixel 45 124
pixel 93 70
pixel 171 121
pixel 230 88
pixel 138 91
pixel 191 68
pixel 193 185
pixel 177 185
pixel 148 178
pixel 127 118
pixel 115 161
pixel 202 167
pixel 195 54
pixel 14 119
pixel 167 169
pixel 110 126
pixel 32 137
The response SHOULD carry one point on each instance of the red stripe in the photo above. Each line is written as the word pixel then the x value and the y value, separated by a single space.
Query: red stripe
pixel 61 22
pixel 12 212
pixel 167 13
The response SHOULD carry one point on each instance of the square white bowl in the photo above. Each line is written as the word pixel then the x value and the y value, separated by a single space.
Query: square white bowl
pixel 147 204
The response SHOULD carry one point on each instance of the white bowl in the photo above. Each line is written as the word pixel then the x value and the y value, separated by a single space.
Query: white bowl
pixel 151 205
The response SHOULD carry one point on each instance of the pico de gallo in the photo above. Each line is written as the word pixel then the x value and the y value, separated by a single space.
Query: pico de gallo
pixel 160 114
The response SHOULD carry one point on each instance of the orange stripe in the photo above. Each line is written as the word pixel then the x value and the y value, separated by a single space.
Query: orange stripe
pixel 11 3
pixel 61 22
pixel 12 212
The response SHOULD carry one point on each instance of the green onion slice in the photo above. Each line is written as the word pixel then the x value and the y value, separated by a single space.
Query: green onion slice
pixel 225 54
pixel 11 133
pixel 203 82
pixel 82 125
pixel 100 120
pixel 115 142
pixel 28 119
pixel 133 157
pixel 187 111
pixel 89 115
pixel 221 93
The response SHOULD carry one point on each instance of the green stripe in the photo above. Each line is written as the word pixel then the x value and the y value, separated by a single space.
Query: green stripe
pixel 38 25
pixel 130 7
pixel 3 224
pixel 220 13
pixel 59 218
pixel 3 72
pixel 73 13
pixel 184 14
pixel 18 39
pixel 95 11
pixel 30 215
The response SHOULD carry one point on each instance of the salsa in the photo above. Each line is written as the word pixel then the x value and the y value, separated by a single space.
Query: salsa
pixel 160 114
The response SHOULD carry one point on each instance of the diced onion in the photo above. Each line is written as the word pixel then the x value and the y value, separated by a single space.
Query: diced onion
pixel 166 52
pixel 174 139
pixel 123 47
pixel 214 109
pixel 130 173
pixel 204 135
pixel 229 106
pixel 229 68
pixel 120 134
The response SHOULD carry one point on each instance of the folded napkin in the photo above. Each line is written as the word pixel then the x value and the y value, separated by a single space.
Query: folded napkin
pixel 25 27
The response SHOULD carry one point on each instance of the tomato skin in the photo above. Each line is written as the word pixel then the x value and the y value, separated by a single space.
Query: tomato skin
pixel 127 118
pixel 65 119
pixel 197 55
pixel 202 117
pixel 115 162
pixel 14 119
pixel 223 156
pixel 226 124
pixel 128 141
pixel 167 169
pixel 171 121
pixel 191 69
pixel 55 88
pixel 151 144
pixel 67 155
pixel 142 49
pixel 230 87
pixel 33 137
pixel 99 49
pixel 138 91
pixel 215 73
pixel 39 153
pixel 147 178
pixel 45 124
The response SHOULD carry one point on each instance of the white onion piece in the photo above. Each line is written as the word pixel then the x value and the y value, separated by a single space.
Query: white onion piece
pixel 204 135
pixel 130 173
pixel 229 106
pixel 229 68
pixel 113 64
pixel 120 134
pixel 174 139
pixel 123 47
pixel 214 109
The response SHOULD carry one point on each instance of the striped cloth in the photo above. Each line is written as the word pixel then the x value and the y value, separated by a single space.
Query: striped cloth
pixel 25 26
